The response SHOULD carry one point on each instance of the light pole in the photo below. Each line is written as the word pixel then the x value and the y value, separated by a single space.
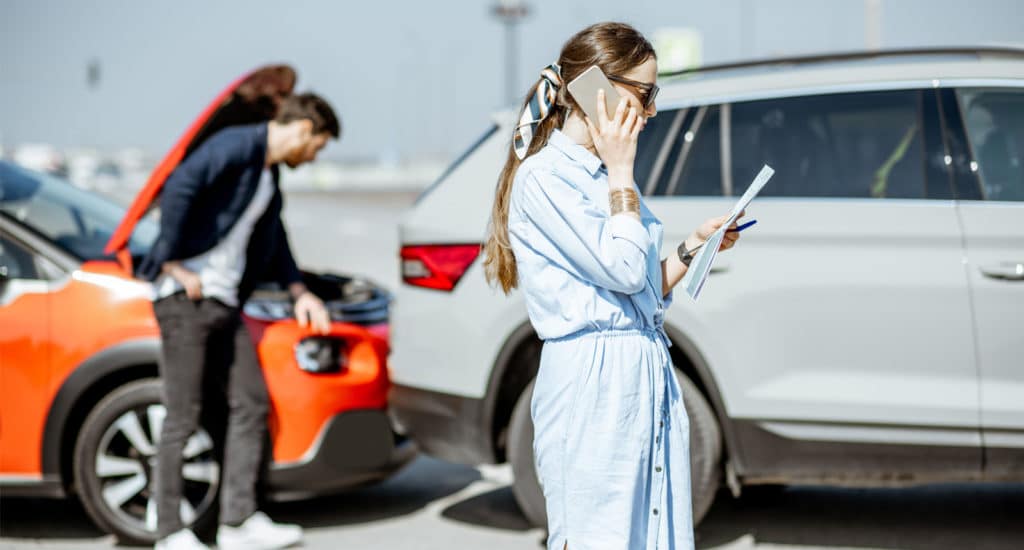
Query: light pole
pixel 510 13
pixel 873 24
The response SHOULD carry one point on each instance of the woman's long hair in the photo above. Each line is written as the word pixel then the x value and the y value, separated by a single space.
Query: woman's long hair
pixel 616 48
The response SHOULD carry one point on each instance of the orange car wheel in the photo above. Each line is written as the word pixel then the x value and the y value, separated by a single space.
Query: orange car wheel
pixel 114 464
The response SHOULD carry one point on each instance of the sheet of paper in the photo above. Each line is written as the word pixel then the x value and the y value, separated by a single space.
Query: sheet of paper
pixel 755 187
pixel 700 267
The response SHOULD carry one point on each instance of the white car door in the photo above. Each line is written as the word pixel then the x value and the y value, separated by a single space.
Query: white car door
pixel 843 315
pixel 994 229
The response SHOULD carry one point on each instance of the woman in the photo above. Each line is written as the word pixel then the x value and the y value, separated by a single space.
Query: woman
pixel 612 439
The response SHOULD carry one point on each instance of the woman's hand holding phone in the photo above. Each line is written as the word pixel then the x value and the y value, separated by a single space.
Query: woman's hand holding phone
pixel 615 139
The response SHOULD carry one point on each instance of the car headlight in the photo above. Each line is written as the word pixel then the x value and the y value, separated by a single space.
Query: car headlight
pixel 321 355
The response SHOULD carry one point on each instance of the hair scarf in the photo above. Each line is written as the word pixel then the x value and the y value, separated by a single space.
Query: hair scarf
pixel 537 109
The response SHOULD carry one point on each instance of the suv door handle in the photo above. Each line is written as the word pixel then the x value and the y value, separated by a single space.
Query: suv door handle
pixel 1007 271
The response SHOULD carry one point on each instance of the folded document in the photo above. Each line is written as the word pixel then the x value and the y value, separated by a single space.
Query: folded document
pixel 700 267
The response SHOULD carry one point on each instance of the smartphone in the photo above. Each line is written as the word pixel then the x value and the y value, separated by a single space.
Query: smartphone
pixel 584 89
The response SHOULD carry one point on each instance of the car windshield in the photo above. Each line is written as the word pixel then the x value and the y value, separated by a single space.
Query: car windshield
pixel 78 221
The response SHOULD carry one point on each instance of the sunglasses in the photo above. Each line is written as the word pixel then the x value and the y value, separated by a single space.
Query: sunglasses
pixel 648 92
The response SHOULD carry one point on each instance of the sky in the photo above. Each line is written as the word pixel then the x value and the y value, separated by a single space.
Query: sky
pixel 408 78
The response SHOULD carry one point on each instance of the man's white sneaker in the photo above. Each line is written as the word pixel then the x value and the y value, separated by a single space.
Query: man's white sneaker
pixel 181 540
pixel 258 533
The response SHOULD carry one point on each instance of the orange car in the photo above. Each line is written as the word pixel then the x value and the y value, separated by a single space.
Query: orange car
pixel 79 393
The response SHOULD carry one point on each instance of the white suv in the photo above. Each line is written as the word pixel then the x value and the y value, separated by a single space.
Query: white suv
pixel 868 331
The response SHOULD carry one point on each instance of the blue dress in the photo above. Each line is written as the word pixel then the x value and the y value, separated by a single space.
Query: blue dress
pixel 611 434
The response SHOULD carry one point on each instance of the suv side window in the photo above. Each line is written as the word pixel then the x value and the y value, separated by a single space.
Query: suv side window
pixel 865 144
pixel 994 118
pixel 679 153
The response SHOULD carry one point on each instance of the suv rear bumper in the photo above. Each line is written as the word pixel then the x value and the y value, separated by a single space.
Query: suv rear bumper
pixel 446 426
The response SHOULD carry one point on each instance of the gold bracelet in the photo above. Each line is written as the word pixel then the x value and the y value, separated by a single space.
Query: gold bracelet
pixel 625 204
pixel 624 200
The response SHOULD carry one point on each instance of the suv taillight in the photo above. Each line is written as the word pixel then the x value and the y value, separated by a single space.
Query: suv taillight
pixel 437 266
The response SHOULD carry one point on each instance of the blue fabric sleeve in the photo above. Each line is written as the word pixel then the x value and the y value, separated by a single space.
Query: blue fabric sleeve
pixel 606 251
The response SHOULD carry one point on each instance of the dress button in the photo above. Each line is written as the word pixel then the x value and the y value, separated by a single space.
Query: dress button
pixel 657 469
pixel 655 511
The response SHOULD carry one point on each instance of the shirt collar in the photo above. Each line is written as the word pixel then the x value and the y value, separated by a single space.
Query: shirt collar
pixel 575 151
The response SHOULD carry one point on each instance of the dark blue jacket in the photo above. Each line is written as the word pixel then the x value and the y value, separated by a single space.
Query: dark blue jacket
pixel 203 199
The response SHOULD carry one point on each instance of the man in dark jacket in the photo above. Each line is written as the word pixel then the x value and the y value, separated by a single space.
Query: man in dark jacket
pixel 220 236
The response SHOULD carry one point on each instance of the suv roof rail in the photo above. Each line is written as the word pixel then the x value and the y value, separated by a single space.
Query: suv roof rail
pixel 851 56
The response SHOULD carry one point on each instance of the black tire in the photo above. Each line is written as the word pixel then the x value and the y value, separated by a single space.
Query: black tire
pixel 525 485
pixel 106 431
pixel 705 454
pixel 705 448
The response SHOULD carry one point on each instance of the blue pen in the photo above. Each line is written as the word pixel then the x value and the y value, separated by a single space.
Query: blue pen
pixel 741 227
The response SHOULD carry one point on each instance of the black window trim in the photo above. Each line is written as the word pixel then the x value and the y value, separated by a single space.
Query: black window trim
pixel 943 131
pixel 932 120
pixel 958 102
pixel 957 130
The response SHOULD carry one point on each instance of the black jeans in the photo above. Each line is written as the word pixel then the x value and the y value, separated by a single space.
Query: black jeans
pixel 206 346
